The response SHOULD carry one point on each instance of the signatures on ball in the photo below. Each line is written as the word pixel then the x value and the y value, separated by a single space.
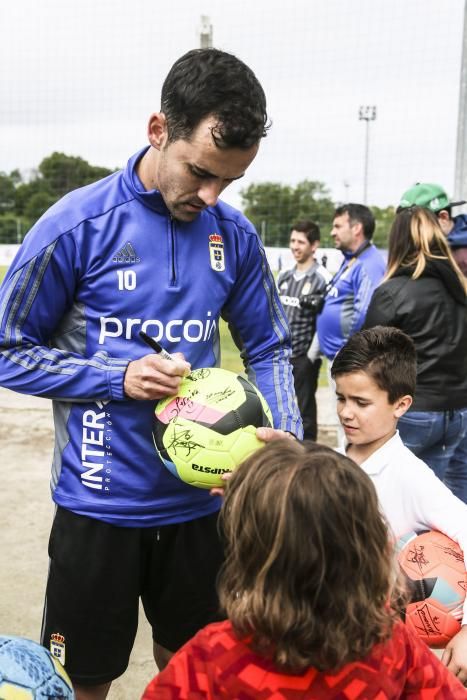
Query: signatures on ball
pixel 197 374
pixel 426 622
pixel 450 551
pixel 182 403
pixel 182 439
pixel 219 396
pixel 416 555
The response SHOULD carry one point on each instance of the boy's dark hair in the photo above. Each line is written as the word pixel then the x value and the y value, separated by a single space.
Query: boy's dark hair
pixel 361 214
pixel 386 354
pixel 206 82
pixel 309 228
pixel 299 519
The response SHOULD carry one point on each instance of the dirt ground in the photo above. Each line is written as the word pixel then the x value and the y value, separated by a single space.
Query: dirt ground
pixel 26 439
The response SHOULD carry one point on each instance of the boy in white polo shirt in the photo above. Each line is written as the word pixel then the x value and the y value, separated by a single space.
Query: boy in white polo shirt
pixel 375 375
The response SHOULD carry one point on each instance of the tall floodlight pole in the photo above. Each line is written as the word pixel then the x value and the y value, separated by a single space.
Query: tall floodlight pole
pixel 460 180
pixel 367 113
pixel 205 33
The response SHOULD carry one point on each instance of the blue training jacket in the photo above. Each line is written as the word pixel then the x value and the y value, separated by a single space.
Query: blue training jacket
pixel 348 299
pixel 458 236
pixel 103 263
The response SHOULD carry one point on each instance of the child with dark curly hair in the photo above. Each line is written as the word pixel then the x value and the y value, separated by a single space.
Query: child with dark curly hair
pixel 310 593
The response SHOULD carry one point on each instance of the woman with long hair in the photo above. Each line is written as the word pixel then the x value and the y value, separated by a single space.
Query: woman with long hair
pixel 309 590
pixel 424 294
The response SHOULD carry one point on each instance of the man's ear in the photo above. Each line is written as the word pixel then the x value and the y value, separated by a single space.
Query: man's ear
pixel 157 130
pixel 358 228
pixel 402 405
pixel 443 215
pixel 445 221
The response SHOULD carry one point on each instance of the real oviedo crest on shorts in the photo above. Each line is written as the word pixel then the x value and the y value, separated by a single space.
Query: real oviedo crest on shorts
pixel 57 647
pixel 216 252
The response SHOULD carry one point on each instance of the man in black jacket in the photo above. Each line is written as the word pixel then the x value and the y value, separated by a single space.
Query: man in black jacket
pixel 300 290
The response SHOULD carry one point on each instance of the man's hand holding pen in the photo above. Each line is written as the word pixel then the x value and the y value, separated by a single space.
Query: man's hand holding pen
pixel 155 375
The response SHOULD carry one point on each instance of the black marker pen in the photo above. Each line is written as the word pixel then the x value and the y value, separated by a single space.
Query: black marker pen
pixel 154 345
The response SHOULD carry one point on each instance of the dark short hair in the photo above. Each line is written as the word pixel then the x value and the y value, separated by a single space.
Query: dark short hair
pixel 386 354
pixel 206 82
pixel 309 228
pixel 361 214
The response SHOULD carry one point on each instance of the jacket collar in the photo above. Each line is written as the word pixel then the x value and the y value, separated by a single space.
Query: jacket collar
pixel 379 460
pixel 458 236
pixel 308 271
pixel 348 254
pixel 442 270
pixel 150 198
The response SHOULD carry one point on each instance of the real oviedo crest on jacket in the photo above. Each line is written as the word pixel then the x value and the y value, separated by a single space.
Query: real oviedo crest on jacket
pixel 216 252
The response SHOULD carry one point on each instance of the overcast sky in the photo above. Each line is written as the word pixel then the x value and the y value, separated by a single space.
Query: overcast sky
pixel 82 77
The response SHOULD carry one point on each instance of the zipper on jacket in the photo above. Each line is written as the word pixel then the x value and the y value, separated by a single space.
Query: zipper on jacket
pixel 173 266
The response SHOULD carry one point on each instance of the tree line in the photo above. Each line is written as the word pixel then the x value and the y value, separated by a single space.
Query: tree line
pixel 272 206
pixel 22 201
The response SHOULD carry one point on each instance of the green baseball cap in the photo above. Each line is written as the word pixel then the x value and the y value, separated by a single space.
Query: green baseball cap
pixel 426 194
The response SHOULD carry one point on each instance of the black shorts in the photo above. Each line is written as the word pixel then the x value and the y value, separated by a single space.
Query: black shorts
pixel 97 574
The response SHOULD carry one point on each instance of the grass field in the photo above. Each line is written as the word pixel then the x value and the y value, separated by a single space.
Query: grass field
pixel 230 355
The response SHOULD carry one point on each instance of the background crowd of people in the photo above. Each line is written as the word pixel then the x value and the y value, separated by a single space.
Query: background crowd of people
pixel 421 290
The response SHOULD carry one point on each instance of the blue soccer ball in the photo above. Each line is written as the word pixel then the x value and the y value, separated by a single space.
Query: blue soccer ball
pixel 28 671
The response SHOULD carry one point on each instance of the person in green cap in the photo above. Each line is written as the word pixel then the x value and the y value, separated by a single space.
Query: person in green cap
pixel 434 198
